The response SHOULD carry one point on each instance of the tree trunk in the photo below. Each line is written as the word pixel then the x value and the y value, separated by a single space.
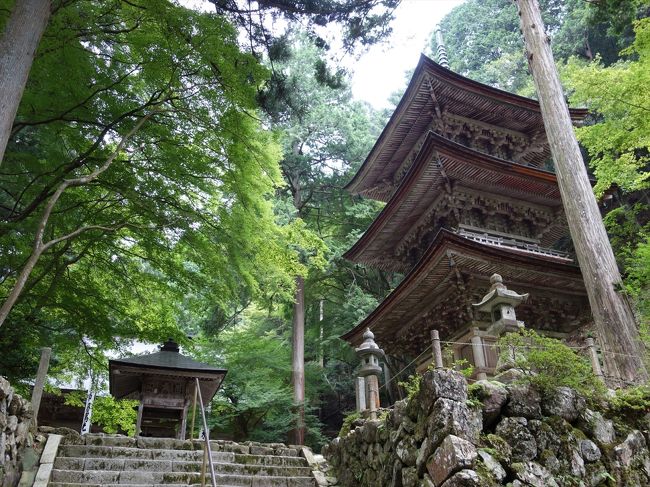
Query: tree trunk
pixel 321 333
pixel 615 322
pixel 18 46
pixel 297 435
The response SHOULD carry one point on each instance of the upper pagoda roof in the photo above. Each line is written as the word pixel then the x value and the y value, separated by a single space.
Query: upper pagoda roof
pixel 433 90
pixel 440 164
pixel 434 279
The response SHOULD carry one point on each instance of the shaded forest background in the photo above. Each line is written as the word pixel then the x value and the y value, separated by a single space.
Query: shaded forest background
pixel 234 185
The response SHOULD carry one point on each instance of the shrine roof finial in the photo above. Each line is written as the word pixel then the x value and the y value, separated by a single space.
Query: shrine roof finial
pixel 170 346
pixel 441 50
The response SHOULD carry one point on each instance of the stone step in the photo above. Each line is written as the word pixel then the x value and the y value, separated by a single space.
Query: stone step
pixel 252 448
pixel 135 477
pixel 67 484
pixel 125 464
pixel 114 452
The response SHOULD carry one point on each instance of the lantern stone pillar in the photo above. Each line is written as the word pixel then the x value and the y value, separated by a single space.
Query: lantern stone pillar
pixel 369 354
pixel 478 351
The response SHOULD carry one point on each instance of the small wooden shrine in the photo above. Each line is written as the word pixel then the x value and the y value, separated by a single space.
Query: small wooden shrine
pixel 466 174
pixel 164 383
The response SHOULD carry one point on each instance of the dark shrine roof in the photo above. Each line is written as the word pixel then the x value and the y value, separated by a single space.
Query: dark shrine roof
pixel 438 161
pixel 431 281
pixel 168 360
pixel 431 88
pixel 126 374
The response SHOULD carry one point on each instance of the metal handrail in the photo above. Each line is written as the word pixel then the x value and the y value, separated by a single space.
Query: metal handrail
pixel 207 441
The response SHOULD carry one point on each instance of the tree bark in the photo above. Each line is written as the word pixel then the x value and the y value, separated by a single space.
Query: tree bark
pixel 18 46
pixel 297 435
pixel 615 323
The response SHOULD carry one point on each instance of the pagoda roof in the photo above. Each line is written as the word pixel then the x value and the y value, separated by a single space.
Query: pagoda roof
pixel 432 281
pixel 439 163
pixel 126 374
pixel 432 87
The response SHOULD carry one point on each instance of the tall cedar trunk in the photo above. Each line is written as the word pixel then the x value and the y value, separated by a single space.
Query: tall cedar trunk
pixel 17 50
pixel 615 322
pixel 297 435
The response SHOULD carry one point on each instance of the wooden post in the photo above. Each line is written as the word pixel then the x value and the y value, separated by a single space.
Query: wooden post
pixel 593 357
pixel 41 375
pixel 435 349
pixel 138 422
pixel 183 428
pixel 205 462
pixel 613 316
pixel 297 435
pixel 193 413
pixel 388 381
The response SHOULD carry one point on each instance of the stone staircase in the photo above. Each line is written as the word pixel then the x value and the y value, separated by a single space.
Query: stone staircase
pixel 104 460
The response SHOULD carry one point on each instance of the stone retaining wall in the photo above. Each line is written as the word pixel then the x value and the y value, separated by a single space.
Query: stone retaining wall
pixel 15 422
pixel 504 435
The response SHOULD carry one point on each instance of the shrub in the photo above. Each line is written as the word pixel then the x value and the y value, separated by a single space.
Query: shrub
pixel 411 385
pixel 548 363
pixel 631 401
pixel 347 423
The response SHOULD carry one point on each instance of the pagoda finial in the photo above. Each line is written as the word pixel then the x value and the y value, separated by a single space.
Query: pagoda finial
pixel 441 51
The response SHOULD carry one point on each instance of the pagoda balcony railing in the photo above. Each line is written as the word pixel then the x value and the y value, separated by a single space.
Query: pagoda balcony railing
pixel 512 243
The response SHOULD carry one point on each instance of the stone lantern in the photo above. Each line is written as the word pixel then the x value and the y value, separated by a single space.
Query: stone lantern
pixel 368 380
pixel 501 302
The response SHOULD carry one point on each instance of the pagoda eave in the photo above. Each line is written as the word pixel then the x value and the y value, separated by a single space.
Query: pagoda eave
pixel 412 118
pixel 440 165
pixel 440 278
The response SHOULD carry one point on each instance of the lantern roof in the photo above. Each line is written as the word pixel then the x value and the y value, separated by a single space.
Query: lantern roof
pixel 499 294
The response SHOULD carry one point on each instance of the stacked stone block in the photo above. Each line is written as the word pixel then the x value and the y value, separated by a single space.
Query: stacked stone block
pixel 15 423
pixel 504 435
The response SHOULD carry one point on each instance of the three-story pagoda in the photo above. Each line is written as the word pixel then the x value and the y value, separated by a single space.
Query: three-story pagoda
pixel 466 174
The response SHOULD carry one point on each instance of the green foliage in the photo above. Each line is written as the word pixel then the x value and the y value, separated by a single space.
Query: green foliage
pixel 548 363
pixel 464 367
pixel 360 22
pixel 474 397
pixel 484 42
pixel 111 414
pixel 347 423
pixel 412 386
pixel 631 401
pixel 115 415
pixel 191 193
pixel 618 144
